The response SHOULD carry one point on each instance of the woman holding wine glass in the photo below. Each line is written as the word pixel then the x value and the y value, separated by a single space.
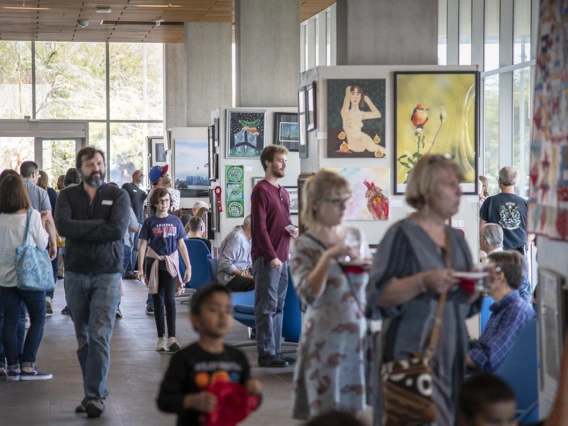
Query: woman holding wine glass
pixel 330 275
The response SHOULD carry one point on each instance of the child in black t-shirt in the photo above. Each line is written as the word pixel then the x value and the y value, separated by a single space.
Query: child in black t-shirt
pixel 194 368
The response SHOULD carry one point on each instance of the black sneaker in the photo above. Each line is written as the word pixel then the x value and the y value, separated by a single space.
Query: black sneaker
pixel 94 408
pixel 65 311
pixel 149 310
pixel 290 360
pixel 270 361
pixel 131 276
pixel 81 407
pixel 118 313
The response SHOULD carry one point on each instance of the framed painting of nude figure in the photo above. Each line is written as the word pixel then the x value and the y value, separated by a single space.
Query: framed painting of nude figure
pixel 356 118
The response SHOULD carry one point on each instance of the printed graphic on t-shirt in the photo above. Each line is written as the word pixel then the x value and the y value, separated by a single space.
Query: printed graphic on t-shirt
pixel 209 372
pixel 509 216
pixel 164 231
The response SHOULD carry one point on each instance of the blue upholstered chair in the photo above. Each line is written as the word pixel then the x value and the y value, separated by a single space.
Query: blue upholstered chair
pixel 485 312
pixel 292 321
pixel 212 264
pixel 197 251
pixel 520 370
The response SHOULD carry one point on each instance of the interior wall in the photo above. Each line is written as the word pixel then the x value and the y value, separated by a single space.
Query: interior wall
pixel 252 167
pixel 468 215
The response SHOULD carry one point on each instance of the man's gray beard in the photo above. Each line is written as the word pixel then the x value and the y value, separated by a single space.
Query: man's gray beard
pixel 95 183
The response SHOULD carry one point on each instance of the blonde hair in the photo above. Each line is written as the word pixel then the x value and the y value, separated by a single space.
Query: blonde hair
pixel 317 187
pixel 422 178
pixel 43 180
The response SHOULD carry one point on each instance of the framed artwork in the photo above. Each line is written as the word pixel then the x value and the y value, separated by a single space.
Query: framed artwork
pixel 302 178
pixel 287 130
pixel 303 136
pixel 191 176
pixel 212 166
pixel 215 214
pixel 293 192
pixel 158 151
pixel 245 133
pixel 356 118
pixel 255 180
pixel 235 191
pixel 370 192
pixel 552 322
pixel 311 117
pixel 436 113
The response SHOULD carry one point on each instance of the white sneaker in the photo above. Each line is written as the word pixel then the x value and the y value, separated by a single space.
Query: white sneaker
pixel 161 346
pixel 173 344
pixel 28 323
pixel 48 307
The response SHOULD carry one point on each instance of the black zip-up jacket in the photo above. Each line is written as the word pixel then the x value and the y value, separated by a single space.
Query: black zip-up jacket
pixel 94 230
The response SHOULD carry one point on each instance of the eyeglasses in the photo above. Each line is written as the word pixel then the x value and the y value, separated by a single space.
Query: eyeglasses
pixel 164 201
pixel 337 201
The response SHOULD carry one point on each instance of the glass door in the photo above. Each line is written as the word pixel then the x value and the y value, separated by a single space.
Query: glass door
pixel 57 156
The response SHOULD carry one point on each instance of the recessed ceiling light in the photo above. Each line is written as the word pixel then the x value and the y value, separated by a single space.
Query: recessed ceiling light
pixel 26 8
pixel 161 6
pixel 103 9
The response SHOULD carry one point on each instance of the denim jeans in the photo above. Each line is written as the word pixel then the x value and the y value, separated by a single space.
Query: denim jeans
pixel 12 299
pixel 525 288
pixel 92 300
pixel 135 245
pixel 55 270
pixel 269 295
pixel 126 260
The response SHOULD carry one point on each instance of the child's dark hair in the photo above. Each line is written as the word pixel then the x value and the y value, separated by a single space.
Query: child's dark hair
pixel 334 418
pixel 481 390
pixel 204 293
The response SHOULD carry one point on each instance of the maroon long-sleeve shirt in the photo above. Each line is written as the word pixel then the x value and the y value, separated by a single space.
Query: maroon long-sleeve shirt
pixel 270 214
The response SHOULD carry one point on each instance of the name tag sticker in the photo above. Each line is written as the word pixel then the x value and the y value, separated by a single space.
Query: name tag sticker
pixel 107 203
pixel 134 190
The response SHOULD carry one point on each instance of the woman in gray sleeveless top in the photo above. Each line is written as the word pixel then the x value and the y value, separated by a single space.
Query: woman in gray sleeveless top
pixel 409 274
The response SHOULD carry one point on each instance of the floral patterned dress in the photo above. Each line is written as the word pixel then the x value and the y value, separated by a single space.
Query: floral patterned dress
pixel 330 369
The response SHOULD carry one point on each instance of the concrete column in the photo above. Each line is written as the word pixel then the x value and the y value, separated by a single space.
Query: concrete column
pixel 175 86
pixel 385 32
pixel 208 57
pixel 268 52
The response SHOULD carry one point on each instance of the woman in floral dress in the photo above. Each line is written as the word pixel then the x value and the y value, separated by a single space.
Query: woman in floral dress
pixel 330 370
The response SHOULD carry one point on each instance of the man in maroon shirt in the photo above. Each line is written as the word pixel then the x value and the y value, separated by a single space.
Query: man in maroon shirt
pixel 270 215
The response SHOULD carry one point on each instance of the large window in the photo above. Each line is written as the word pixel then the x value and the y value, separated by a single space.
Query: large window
pixel 487 30
pixel 15 79
pixel 71 81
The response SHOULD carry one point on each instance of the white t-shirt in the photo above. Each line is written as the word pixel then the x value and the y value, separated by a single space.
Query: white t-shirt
pixel 12 232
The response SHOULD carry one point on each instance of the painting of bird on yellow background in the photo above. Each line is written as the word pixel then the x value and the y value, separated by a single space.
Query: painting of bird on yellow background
pixel 436 113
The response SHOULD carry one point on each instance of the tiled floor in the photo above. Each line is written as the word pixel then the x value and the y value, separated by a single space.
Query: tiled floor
pixel 135 374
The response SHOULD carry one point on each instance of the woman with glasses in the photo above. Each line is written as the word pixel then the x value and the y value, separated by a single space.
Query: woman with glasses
pixel 328 267
pixel 163 234
pixel 410 273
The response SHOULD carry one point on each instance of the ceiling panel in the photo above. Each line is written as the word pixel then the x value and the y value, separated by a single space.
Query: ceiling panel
pixel 56 20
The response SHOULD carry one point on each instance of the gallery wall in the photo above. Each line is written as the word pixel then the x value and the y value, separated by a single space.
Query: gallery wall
pixel 468 216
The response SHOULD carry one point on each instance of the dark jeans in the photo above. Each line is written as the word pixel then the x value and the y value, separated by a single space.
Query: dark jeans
pixel 12 303
pixel 525 288
pixel 134 256
pixel 126 260
pixel 166 295
pixel 269 296
pixel 238 283
pixel 21 333
pixel 55 269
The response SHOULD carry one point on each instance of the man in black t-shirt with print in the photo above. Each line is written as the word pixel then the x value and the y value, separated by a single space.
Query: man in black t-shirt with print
pixel 137 197
pixel 510 211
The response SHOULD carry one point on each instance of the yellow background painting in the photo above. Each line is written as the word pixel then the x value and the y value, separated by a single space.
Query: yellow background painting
pixel 449 101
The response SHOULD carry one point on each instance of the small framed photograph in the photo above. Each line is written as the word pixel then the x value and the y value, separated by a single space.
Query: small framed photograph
pixel 293 192
pixel 303 136
pixel 216 131
pixel 287 130
pixel 255 180
pixel 158 150
pixel 215 215
pixel 311 115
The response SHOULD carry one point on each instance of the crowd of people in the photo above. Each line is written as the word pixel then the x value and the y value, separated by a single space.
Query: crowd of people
pixel 414 284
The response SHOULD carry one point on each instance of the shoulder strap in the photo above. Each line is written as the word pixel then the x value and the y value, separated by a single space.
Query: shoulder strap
pixel 434 334
pixel 27 233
